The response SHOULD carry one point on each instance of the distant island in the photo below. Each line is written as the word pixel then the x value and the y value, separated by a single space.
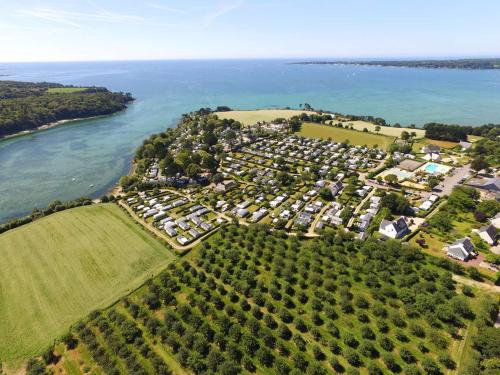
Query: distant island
pixel 25 106
pixel 470 64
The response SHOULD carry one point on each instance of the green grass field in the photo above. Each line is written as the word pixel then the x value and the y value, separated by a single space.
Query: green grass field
pixel 385 130
pixel 59 268
pixel 65 90
pixel 253 116
pixel 355 137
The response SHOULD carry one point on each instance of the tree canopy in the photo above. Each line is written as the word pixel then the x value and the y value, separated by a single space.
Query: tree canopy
pixel 26 106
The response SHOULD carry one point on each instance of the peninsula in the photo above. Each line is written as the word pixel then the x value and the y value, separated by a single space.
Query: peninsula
pixel 25 106
pixel 471 64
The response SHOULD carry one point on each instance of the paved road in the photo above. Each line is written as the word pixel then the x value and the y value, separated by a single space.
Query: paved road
pixel 358 208
pixel 311 232
pixel 445 187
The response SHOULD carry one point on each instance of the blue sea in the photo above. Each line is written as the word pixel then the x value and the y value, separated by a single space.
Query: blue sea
pixel 39 168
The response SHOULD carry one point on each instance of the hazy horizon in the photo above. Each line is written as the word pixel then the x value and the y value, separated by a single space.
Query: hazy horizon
pixel 284 59
pixel 128 30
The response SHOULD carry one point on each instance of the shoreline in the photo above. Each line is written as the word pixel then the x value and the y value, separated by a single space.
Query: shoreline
pixel 116 189
pixel 50 125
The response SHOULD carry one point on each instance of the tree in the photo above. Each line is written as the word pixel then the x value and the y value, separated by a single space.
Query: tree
pixel 397 203
pixel 432 182
pixel 463 198
pixel 447 361
pixel 352 357
pixel 214 359
pixel 70 341
pixel 487 342
pixel 391 179
pixel 391 363
pixel 281 366
pixel 441 221
pixel 479 163
pixel 346 215
pixel 265 356
pixel 377 128
pixel 430 367
pixel 326 194
pixel 229 368
pixel 373 369
pixel 489 207
pixel 192 170
pixel 406 355
pixel 284 332
pixel 35 367
pixel 405 135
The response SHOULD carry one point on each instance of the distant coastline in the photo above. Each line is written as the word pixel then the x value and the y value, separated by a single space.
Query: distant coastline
pixel 466 64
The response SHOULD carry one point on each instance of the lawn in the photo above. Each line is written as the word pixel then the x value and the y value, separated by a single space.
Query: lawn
pixel 65 90
pixel 59 268
pixel 253 116
pixel 417 146
pixel 355 137
pixel 385 130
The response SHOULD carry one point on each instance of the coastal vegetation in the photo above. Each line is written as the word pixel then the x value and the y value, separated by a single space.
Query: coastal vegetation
pixel 469 64
pixel 27 106
pixel 254 301
pixel 59 268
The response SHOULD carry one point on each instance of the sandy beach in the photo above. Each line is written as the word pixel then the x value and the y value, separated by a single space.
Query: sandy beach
pixel 48 126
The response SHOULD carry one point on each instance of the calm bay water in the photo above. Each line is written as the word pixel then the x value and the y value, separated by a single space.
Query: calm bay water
pixel 37 169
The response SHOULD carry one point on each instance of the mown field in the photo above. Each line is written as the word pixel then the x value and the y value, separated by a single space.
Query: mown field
pixel 385 130
pixel 250 301
pixel 252 116
pixel 59 268
pixel 65 90
pixel 355 137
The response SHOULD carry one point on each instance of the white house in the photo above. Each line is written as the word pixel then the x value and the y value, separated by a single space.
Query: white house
pixel 462 249
pixel 488 234
pixel 496 221
pixel 394 229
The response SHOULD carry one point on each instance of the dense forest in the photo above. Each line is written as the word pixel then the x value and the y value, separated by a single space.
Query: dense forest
pixel 255 301
pixel 26 105
pixel 473 64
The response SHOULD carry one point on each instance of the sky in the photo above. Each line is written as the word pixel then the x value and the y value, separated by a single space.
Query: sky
pixel 90 30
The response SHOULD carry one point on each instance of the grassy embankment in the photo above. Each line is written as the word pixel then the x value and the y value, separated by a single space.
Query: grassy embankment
pixel 59 268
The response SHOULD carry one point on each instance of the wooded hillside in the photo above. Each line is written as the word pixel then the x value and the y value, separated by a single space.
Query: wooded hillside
pixel 26 105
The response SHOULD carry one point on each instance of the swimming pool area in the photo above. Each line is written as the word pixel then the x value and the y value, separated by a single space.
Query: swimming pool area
pixel 434 168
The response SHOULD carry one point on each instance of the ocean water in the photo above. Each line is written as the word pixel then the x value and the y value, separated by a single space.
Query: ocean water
pixel 39 168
